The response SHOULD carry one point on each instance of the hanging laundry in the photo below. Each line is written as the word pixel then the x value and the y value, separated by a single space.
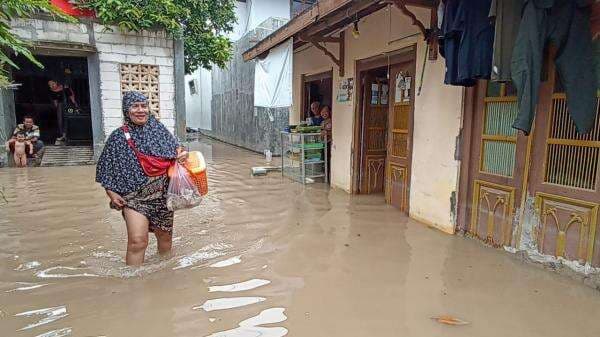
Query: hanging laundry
pixel 566 24
pixel 468 37
pixel 449 41
pixel 506 15
pixel 597 61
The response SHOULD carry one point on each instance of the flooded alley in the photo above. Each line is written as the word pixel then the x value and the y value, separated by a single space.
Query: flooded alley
pixel 262 256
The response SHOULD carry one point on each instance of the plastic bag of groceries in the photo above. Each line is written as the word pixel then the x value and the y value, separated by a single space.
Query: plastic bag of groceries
pixel 182 192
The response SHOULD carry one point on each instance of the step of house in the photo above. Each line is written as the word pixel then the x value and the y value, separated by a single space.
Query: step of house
pixel 68 156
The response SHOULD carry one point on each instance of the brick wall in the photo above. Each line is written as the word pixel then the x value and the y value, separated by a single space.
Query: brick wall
pixel 152 48
pixel 114 48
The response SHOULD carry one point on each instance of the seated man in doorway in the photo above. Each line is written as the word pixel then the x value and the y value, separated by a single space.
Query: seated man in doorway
pixel 315 114
pixel 32 134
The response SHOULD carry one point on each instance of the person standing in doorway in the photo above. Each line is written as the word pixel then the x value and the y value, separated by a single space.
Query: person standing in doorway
pixel 326 127
pixel 315 112
pixel 61 95
pixel 313 109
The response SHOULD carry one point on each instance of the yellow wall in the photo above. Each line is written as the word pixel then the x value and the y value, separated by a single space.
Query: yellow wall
pixel 437 113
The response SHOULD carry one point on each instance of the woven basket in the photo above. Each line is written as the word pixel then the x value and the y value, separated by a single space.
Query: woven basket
pixel 201 181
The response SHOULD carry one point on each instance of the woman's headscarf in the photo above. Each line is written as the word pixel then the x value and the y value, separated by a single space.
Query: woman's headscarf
pixel 118 168
pixel 129 99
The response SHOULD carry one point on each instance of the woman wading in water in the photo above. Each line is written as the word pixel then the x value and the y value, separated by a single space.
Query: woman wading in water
pixel 133 171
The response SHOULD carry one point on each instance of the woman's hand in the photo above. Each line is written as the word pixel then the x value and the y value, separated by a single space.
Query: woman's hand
pixel 182 155
pixel 116 199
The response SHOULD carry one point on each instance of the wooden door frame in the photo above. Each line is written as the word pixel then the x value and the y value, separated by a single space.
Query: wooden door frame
pixel 398 56
pixel 310 78
pixel 464 155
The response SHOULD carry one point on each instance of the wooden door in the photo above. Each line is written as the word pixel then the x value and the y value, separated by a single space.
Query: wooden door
pixel 496 164
pixel 399 149
pixel 373 138
pixel 564 180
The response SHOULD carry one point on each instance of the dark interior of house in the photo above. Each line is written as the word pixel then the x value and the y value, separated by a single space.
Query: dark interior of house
pixel 32 97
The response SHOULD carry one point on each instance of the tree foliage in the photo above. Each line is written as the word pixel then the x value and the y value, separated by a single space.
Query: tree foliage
pixel 200 23
pixel 10 43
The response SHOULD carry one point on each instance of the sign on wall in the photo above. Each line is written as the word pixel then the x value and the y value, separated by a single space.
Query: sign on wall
pixel 345 90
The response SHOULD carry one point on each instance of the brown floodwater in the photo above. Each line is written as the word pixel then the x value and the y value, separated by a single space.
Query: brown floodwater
pixel 262 256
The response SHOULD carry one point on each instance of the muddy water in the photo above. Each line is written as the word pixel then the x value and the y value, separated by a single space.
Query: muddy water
pixel 261 257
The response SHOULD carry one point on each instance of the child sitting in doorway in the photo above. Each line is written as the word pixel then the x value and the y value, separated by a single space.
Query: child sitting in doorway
pixel 21 147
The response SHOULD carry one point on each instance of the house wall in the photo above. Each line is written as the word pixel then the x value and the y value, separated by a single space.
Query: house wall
pixel 261 10
pixel 235 119
pixel 113 48
pixel 198 114
pixel 249 15
pixel 7 121
pixel 437 116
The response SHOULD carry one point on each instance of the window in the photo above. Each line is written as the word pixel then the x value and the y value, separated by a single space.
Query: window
pixel 193 88
pixel 499 139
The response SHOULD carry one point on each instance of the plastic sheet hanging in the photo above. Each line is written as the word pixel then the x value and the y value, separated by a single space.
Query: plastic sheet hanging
pixel 273 78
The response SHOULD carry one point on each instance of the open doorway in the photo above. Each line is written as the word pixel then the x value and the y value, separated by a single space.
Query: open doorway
pixel 34 98
pixel 383 132
pixel 316 88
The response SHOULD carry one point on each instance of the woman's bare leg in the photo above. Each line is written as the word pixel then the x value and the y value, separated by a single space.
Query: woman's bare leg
pixel 137 237
pixel 165 240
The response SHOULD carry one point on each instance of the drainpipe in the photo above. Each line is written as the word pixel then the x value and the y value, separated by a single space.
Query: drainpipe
pixel 179 71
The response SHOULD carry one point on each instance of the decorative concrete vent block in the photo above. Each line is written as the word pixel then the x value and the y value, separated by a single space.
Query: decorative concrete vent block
pixel 143 78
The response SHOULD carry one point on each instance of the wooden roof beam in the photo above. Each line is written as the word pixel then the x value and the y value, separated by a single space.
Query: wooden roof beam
pixel 320 17
pixel 339 61
pixel 430 34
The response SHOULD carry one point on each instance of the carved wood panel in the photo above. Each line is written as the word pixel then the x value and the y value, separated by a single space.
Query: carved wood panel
pixel 567 227
pixel 375 173
pixel 143 78
pixel 397 190
pixel 493 208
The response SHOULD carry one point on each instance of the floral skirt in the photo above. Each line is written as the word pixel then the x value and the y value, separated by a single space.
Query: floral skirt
pixel 151 201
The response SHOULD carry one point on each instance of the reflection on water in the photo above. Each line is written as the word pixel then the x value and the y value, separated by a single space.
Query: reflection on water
pixel 48 315
pixel 242 286
pixel 339 265
pixel 227 263
pixel 28 266
pixel 57 333
pixel 251 327
pixel 64 272
pixel 228 303
pixel 23 286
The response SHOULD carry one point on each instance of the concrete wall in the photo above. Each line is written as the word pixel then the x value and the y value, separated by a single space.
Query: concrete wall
pixel 7 121
pixel 198 114
pixel 152 48
pixel 234 118
pixel 261 10
pixel 249 16
pixel 242 16
pixel 437 113
pixel 113 48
